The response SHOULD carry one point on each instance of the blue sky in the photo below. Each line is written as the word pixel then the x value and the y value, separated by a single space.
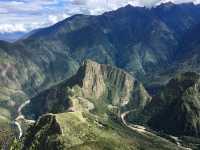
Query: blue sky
pixel 26 15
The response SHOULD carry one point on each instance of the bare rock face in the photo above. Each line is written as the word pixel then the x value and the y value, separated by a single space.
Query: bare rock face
pixel 93 83
pixel 101 80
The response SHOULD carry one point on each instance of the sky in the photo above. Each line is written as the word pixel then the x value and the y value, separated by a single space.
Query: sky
pixel 26 15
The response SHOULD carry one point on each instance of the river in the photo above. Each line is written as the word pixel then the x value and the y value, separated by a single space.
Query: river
pixel 138 128
pixel 20 117
pixel 142 129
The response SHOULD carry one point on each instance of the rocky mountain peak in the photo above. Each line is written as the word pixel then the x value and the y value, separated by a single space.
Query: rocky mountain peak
pixel 98 79
pixel 93 83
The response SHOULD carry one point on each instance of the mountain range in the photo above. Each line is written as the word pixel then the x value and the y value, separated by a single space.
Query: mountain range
pixel 11 37
pixel 152 46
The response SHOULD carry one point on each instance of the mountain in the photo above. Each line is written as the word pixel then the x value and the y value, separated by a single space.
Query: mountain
pixel 189 60
pixel 150 44
pixel 118 37
pixel 102 85
pixel 177 104
pixel 115 38
pixel 87 109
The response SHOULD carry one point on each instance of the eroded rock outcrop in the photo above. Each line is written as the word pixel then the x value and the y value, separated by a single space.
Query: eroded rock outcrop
pixel 37 137
pixel 93 84
pixel 99 80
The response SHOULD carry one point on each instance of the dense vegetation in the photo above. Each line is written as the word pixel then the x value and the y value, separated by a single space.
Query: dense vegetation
pixel 92 102
pixel 177 104
pixel 151 44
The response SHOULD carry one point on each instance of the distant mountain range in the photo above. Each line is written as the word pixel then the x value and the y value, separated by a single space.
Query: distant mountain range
pixel 11 37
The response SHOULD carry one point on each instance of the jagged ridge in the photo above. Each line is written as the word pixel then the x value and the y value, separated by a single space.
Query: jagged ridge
pixel 94 83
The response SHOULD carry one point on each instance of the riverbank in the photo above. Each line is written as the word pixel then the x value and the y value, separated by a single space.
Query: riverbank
pixel 21 118
pixel 143 130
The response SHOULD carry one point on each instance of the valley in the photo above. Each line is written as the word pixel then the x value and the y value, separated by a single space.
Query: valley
pixel 143 130
pixel 21 117
pixel 128 79
pixel 78 97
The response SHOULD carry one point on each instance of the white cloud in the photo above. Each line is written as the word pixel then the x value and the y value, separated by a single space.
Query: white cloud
pixel 26 15
pixel 100 6
pixel 8 28
pixel 53 19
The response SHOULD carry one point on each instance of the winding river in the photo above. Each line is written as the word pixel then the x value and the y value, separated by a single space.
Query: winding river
pixel 138 128
pixel 142 129
pixel 20 117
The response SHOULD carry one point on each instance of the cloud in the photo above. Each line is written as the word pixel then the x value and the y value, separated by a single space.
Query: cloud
pixel 6 28
pixel 26 15
pixel 99 6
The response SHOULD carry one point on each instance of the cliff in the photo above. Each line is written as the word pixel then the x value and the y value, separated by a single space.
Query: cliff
pixel 93 86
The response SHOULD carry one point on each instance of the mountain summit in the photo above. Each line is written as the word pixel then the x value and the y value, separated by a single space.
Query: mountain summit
pixel 93 84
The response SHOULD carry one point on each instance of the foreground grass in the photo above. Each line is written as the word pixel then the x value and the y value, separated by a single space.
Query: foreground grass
pixel 85 131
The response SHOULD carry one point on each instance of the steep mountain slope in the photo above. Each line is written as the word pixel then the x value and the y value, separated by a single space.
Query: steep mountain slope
pixel 173 14
pixel 118 37
pixel 189 60
pixel 21 77
pixel 115 38
pixel 83 131
pixel 142 41
pixel 93 85
pixel 178 104
pixel 91 103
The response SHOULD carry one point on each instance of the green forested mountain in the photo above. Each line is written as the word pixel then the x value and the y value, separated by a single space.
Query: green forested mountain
pixel 177 103
pixel 142 41
pixel 87 110
pixel 152 45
